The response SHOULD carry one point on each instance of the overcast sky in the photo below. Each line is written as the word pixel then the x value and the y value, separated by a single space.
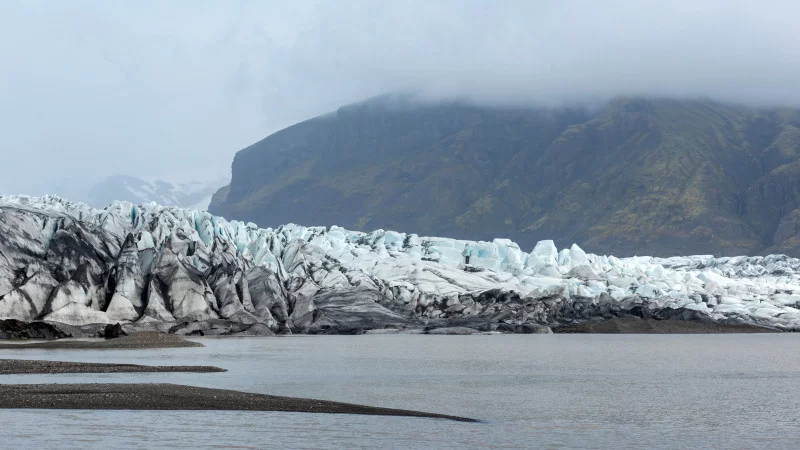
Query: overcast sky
pixel 172 89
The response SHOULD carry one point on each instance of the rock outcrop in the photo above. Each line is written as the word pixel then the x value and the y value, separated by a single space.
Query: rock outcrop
pixel 633 176
pixel 150 267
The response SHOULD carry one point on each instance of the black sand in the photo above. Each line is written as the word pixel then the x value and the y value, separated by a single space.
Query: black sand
pixel 635 325
pixel 178 397
pixel 24 366
pixel 140 340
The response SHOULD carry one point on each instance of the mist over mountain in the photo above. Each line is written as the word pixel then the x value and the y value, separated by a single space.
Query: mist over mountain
pixel 634 176
pixel 166 86
pixel 101 190
pixel 194 194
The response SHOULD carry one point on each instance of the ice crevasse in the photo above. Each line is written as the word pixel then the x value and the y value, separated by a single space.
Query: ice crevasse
pixel 68 263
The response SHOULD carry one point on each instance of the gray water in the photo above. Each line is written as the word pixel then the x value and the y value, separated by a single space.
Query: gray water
pixel 555 391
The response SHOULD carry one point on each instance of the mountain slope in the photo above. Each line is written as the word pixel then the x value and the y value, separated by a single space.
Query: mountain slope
pixel 646 176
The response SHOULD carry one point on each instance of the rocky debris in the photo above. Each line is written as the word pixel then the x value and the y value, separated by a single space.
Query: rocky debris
pixel 632 324
pixel 524 328
pixel 69 270
pixel 140 340
pixel 452 331
pixel 27 366
pixel 153 396
pixel 113 331
pixel 16 329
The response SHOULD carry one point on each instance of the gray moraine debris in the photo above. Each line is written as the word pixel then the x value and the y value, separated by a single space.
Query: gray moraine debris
pixel 27 366
pixel 178 397
pixel 140 340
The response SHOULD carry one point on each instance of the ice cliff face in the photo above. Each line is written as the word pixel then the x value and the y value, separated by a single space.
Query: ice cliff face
pixel 188 271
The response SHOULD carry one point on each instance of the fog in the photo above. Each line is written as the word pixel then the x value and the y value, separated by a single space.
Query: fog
pixel 173 89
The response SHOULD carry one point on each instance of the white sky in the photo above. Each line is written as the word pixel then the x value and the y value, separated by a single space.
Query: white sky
pixel 173 89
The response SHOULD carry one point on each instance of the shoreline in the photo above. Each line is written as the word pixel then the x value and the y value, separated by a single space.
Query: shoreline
pixel 142 340
pixel 139 340
pixel 142 396
pixel 31 367
pixel 636 325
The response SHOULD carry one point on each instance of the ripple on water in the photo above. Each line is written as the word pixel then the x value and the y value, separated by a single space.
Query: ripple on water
pixel 606 391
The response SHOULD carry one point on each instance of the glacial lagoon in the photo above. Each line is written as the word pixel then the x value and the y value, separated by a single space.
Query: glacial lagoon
pixel 545 391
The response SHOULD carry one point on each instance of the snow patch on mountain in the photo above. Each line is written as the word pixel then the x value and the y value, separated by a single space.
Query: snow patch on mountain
pixel 190 194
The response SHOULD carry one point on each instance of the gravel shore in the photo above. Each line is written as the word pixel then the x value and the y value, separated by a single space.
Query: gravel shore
pixel 178 397
pixel 25 366
pixel 140 340
pixel 652 326
pixel 136 396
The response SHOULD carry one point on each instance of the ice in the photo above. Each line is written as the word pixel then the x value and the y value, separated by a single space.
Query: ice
pixel 77 314
pixel 424 276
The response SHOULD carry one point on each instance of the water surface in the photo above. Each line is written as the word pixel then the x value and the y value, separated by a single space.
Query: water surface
pixel 551 391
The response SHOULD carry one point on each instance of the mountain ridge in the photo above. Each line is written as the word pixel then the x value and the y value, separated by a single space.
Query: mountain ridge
pixel 635 176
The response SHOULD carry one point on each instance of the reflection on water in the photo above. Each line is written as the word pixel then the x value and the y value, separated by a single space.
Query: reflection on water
pixel 612 391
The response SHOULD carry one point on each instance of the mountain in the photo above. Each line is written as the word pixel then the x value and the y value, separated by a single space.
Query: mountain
pixel 633 176
pixel 194 194
pixel 188 272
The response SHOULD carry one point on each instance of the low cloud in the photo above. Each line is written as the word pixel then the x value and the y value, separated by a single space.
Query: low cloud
pixel 174 89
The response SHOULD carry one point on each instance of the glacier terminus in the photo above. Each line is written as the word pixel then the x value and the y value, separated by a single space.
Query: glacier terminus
pixel 188 272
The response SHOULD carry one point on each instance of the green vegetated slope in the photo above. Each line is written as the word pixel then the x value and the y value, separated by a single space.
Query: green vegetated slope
pixel 635 176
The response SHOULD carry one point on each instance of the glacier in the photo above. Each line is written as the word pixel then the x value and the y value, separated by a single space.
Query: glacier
pixel 188 272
